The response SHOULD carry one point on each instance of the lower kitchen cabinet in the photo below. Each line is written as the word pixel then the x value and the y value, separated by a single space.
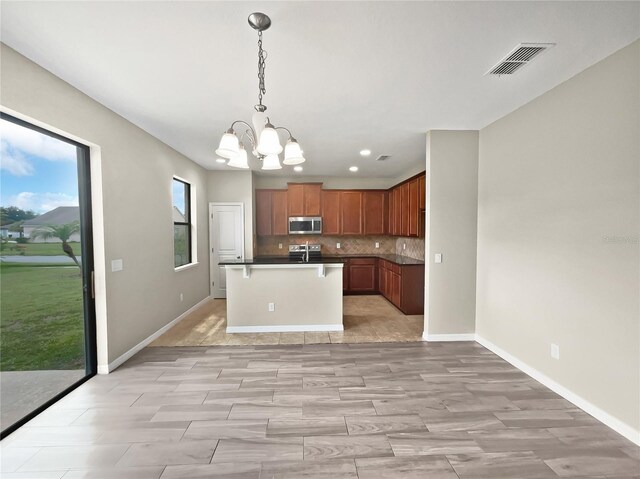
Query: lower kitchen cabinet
pixel 362 275
pixel 402 285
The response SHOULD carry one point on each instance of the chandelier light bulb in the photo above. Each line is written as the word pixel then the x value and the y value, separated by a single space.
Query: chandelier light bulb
pixel 240 160
pixel 271 162
pixel 229 145
pixel 269 143
pixel 293 153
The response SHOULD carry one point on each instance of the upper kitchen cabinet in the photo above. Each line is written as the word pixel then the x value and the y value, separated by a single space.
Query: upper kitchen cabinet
pixel 330 200
pixel 304 199
pixel 422 192
pixel 271 212
pixel 263 212
pixel 405 213
pixel 374 212
pixel 414 210
pixel 279 214
pixel 351 212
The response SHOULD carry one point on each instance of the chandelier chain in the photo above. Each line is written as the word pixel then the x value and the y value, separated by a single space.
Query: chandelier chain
pixel 262 56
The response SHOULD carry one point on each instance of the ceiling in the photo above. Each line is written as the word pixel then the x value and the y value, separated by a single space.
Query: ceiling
pixel 342 76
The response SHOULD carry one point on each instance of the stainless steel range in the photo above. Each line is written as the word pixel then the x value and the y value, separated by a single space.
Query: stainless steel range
pixel 305 252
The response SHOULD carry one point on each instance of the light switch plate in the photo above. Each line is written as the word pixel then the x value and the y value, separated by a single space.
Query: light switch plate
pixel 279 245
pixel 272 307
pixel 438 257
pixel 116 265
pixel 555 351
pixel 338 245
pixel 377 245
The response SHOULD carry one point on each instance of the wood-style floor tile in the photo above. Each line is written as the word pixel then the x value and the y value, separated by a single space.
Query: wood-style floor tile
pixel 521 465
pixel 310 469
pixel 230 470
pixel 367 410
pixel 329 447
pixel 226 429
pixel 432 467
pixel 156 454
pixel 259 450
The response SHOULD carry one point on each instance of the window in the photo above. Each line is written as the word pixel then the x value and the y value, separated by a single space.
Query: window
pixel 181 222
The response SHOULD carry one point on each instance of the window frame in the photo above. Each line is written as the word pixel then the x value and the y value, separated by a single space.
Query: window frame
pixel 189 206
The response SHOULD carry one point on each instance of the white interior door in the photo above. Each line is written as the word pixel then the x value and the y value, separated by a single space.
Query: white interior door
pixel 226 230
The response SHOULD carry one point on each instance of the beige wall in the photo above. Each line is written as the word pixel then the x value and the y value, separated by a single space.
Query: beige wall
pixel 558 226
pixel 452 202
pixel 137 170
pixel 235 187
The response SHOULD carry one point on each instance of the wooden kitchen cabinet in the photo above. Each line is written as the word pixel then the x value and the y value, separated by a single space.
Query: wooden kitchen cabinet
pixel 304 199
pixel 414 210
pixel 271 213
pixel 351 212
pixel 422 192
pixel 279 215
pixel 397 212
pixel 404 217
pixel 263 212
pixel 330 201
pixel 374 212
pixel 362 275
pixel 403 285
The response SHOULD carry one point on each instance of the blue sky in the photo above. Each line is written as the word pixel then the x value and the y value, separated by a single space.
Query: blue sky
pixel 37 172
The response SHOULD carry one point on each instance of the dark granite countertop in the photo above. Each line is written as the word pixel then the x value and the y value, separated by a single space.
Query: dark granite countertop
pixel 394 258
pixel 326 259
pixel 283 260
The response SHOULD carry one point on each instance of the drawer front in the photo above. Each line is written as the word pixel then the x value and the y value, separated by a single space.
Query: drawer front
pixel 369 261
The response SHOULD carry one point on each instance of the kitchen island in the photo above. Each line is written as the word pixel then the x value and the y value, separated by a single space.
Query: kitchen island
pixel 276 294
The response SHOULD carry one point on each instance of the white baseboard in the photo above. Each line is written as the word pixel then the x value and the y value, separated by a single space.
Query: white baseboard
pixel 107 368
pixel 624 429
pixel 448 337
pixel 293 328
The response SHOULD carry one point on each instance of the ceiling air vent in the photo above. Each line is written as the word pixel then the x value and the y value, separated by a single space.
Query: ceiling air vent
pixel 383 157
pixel 518 57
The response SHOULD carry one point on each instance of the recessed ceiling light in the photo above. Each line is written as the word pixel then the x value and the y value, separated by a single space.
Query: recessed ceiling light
pixel 353 168
pixel 297 168
pixel 220 160
pixel 365 152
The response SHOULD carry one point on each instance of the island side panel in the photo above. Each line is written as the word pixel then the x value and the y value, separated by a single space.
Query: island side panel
pixel 303 300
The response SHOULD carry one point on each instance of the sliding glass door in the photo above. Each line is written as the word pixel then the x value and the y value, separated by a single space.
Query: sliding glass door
pixel 47 321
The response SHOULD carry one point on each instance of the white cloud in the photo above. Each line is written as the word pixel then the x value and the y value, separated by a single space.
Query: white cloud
pixel 42 202
pixel 18 142
pixel 14 162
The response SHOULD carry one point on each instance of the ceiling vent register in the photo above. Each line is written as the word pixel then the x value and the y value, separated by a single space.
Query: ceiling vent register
pixel 383 157
pixel 518 57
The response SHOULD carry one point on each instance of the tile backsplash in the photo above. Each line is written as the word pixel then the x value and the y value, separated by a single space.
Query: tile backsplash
pixel 414 247
pixel 268 246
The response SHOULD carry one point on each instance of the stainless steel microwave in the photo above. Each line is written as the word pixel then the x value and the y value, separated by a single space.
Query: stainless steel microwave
pixel 305 225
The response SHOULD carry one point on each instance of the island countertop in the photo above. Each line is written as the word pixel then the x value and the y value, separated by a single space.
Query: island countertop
pixel 325 259
pixel 284 260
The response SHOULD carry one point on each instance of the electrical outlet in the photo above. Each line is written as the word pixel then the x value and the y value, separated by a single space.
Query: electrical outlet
pixel 555 351
pixel 337 245
pixel 181 297
pixel 404 245
pixel 279 245
pixel 272 307
pixel 377 245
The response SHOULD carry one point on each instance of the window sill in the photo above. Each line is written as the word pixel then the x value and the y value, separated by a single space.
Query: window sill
pixel 185 266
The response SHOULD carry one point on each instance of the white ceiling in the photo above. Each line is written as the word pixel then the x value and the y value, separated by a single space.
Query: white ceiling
pixel 342 76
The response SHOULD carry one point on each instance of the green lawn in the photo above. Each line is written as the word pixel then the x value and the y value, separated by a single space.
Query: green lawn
pixel 41 317
pixel 37 249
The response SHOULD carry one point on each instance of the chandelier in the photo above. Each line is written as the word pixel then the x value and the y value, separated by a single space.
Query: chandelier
pixel 261 134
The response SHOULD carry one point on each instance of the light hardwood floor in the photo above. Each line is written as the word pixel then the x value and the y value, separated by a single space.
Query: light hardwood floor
pixel 384 410
pixel 367 319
